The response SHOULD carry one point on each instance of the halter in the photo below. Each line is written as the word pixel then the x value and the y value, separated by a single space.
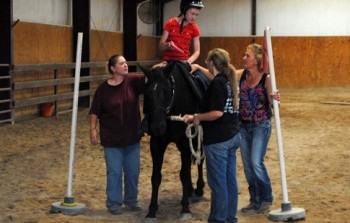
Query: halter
pixel 168 108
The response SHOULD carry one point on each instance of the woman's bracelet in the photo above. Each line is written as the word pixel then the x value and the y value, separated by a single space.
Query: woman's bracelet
pixel 92 129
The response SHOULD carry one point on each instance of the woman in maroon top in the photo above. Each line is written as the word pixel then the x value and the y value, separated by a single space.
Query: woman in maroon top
pixel 116 108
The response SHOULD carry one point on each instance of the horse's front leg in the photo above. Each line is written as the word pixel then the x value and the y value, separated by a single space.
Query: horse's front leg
pixel 185 176
pixel 199 191
pixel 157 151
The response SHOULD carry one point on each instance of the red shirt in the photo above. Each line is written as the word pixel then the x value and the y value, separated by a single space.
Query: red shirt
pixel 181 40
pixel 118 112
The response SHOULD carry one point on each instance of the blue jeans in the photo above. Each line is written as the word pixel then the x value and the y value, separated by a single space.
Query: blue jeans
pixel 221 175
pixel 255 137
pixel 121 160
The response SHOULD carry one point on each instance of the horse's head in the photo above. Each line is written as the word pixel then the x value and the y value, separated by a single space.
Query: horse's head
pixel 158 99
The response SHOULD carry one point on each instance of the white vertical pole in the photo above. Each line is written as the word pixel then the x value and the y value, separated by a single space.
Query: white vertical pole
pixel 277 116
pixel 74 115
pixel 286 212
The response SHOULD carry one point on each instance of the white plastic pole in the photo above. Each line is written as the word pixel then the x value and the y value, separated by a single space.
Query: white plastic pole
pixel 74 115
pixel 277 116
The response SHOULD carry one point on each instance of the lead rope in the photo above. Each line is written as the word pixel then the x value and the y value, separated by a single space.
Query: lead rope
pixel 197 131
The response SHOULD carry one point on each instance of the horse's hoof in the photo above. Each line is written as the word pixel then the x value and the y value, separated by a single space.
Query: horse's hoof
pixel 194 198
pixel 149 220
pixel 151 215
pixel 199 192
pixel 185 216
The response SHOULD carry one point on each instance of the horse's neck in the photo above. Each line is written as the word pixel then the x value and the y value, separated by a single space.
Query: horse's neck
pixel 184 101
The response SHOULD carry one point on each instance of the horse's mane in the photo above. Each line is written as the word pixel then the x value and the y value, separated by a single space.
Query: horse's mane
pixel 187 96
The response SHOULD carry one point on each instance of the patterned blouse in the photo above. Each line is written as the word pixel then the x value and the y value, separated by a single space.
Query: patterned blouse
pixel 254 103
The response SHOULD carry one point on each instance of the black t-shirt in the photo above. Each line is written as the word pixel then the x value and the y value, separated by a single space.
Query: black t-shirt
pixel 219 97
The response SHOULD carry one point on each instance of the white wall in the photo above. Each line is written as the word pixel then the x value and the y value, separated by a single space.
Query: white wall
pixel 285 17
pixel 106 15
pixel 42 11
pixel 304 17
pixel 218 18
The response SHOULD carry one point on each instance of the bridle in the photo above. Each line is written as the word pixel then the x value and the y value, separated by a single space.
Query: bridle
pixel 172 90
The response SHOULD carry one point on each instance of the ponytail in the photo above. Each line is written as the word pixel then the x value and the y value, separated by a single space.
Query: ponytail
pixel 221 60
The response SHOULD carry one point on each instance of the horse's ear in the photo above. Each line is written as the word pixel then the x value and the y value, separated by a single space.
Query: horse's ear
pixel 145 70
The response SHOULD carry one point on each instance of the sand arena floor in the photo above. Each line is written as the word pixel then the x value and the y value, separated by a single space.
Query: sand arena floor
pixel 34 159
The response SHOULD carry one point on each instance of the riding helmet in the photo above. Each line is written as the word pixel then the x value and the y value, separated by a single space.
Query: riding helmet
pixel 186 4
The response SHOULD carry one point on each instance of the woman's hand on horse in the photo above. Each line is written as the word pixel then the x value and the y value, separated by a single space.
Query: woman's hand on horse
pixel 159 65
pixel 194 68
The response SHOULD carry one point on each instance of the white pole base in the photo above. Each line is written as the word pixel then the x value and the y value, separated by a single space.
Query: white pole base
pixel 77 209
pixel 290 215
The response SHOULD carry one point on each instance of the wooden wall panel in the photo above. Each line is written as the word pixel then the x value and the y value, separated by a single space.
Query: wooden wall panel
pixel 105 44
pixel 147 48
pixel 312 61
pixel 39 44
pixel 234 45
pixel 299 61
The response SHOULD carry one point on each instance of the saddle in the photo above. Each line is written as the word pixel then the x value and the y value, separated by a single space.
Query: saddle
pixel 197 81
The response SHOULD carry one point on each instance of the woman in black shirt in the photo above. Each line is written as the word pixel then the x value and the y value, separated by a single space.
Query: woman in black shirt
pixel 221 136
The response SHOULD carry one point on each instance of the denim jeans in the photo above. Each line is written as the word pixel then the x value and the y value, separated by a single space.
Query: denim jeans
pixel 121 160
pixel 221 175
pixel 255 137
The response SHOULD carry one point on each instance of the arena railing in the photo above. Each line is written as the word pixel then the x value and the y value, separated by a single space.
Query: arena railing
pixel 55 82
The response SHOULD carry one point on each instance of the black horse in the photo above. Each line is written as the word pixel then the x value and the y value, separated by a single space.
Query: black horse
pixel 171 91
